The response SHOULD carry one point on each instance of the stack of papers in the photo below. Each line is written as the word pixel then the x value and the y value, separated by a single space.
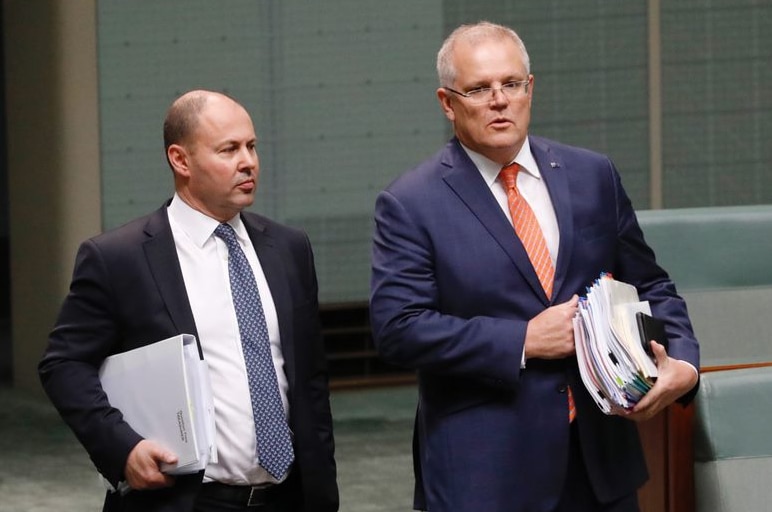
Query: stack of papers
pixel 164 392
pixel 613 364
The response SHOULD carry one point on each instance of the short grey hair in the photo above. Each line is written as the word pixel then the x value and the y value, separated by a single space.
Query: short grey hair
pixel 474 33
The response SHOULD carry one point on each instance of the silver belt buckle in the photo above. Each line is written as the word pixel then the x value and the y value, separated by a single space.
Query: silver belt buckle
pixel 255 500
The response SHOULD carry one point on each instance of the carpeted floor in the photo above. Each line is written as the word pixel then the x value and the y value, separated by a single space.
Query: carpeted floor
pixel 43 468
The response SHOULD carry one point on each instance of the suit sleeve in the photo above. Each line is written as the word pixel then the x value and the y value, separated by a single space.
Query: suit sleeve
pixel 636 264
pixel 84 335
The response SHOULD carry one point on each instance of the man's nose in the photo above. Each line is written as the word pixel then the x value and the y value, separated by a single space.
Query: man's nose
pixel 498 96
pixel 248 158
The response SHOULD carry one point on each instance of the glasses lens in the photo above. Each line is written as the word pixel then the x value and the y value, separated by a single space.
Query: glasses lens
pixel 511 90
pixel 480 96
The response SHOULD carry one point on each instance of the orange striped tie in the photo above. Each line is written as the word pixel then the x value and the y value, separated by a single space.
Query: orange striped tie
pixel 530 234
pixel 528 229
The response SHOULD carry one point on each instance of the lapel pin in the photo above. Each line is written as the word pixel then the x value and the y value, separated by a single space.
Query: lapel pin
pixel 554 165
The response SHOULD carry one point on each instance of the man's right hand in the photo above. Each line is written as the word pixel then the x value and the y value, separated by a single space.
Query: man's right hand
pixel 550 334
pixel 143 467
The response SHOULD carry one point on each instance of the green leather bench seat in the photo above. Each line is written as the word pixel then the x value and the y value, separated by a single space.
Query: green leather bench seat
pixel 721 262
pixel 709 248
pixel 733 441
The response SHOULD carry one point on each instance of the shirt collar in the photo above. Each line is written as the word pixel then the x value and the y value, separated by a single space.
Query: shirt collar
pixel 490 169
pixel 198 226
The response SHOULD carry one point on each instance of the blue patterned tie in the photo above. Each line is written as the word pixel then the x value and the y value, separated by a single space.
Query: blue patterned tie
pixel 274 445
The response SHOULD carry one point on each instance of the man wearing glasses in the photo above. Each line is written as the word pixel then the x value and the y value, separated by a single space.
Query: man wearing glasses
pixel 479 255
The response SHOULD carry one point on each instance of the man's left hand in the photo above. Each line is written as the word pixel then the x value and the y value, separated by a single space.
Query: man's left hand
pixel 675 378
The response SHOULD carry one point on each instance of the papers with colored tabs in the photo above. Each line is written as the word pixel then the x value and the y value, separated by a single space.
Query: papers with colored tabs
pixel 164 392
pixel 613 364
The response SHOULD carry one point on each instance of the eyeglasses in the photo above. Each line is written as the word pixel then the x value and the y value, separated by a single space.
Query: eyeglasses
pixel 481 95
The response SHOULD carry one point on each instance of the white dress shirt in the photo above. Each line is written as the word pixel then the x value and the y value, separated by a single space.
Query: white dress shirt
pixel 204 262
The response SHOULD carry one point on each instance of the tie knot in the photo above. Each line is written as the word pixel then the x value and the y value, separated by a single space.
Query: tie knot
pixel 509 175
pixel 226 232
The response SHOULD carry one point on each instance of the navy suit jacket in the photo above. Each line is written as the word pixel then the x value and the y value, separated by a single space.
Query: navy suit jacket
pixel 128 291
pixel 452 293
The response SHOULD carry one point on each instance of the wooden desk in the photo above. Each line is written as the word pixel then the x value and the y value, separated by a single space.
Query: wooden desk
pixel 667 445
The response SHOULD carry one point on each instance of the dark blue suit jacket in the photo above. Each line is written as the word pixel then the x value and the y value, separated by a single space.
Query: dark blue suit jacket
pixel 452 292
pixel 127 291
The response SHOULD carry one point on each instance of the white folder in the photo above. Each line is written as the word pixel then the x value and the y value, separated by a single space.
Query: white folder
pixel 164 392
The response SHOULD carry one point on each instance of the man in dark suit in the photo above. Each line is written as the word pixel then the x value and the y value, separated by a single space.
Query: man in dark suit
pixel 168 273
pixel 504 423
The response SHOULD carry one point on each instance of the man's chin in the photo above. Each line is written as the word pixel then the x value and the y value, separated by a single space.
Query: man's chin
pixel 502 149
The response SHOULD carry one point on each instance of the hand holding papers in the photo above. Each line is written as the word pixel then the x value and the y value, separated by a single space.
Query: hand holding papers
pixel 613 364
pixel 164 393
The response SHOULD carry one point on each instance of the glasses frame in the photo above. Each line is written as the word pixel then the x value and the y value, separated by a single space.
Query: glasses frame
pixel 487 93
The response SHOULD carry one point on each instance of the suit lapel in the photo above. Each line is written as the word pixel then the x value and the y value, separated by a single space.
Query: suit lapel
pixel 277 277
pixel 555 171
pixel 164 265
pixel 463 177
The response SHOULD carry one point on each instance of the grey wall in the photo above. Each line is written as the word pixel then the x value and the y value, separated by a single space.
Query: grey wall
pixel 343 97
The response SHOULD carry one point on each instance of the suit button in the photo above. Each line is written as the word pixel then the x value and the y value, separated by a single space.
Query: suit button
pixel 562 389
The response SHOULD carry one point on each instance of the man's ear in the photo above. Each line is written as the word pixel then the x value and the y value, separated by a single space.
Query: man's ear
pixel 178 159
pixel 445 103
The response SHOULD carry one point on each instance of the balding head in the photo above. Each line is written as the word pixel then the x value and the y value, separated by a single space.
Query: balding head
pixel 183 116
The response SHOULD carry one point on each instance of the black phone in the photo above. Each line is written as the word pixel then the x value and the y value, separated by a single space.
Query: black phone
pixel 651 328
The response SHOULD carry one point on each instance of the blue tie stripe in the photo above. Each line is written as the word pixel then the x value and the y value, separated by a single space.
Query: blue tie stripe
pixel 274 443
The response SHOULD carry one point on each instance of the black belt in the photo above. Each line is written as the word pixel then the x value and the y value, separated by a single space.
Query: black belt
pixel 245 495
